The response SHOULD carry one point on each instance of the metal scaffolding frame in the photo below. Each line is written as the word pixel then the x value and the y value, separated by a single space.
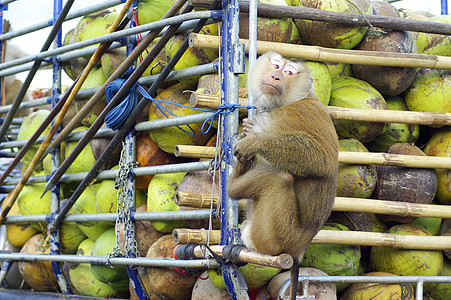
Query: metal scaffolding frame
pixel 230 66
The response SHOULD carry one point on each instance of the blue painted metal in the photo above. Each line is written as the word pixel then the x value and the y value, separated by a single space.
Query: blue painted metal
pixel 130 144
pixel 55 245
pixel 229 85
pixel 444 5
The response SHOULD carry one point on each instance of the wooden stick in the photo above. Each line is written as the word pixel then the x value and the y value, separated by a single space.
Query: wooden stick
pixel 41 151
pixel 353 19
pixel 352 114
pixel 346 204
pixel 316 53
pixel 391 240
pixel 357 158
pixel 282 261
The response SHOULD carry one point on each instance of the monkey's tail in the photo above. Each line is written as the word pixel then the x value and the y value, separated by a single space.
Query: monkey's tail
pixel 294 279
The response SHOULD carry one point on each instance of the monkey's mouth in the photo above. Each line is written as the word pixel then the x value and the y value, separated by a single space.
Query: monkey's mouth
pixel 270 89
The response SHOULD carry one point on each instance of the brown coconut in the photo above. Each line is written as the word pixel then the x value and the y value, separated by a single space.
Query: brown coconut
pixel 383 8
pixel 38 274
pixel 149 154
pixel 413 185
pixel 145 233
pixel 387 80
pixel 197 182
pixel 321 291
pixel 168 283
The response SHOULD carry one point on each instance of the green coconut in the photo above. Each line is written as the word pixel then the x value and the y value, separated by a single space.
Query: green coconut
pixel 436 44
pixel 396 132
pixel 381 291
pixel 278 30
pixel 407 262
pixel 322 81
pixel 255 276
pixel 86 204
pixel 28 128
pixel 73 67
pixel 81 277
pixel 440 145
pixel 94 79
pixel 430 224
pixel 94 25
pixel 157 64
pixel 70 237
pixel 103 246
pixel 357 181
pixel 191 58
pixel 31 201
pixel 356 93
pixel 85 160
pixel 333 35
pixel 430 92
pixel 161 197
pixel 167 138
pixel 334 259
pixel 152 10
pixel 339 69
pixel 441 291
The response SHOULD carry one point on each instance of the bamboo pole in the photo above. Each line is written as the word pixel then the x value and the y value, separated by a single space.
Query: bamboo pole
pixel 42 148
pixel 347 204
pixel 282 261
pixel 347 113
pixel 198 200
pixel 364 158
pixel 377 239
pixel 399 208
pixel 197 236
pixel 316 53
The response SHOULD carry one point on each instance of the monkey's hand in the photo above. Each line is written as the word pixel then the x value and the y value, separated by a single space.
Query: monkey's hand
pixel 243 151
pixel 247 126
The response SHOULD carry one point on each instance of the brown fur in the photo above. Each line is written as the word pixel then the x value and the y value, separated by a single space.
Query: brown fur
pixel 287 163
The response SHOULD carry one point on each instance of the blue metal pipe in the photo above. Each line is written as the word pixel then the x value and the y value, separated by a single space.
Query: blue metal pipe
pixel 229 213
pixel 55 237
pixel 444 5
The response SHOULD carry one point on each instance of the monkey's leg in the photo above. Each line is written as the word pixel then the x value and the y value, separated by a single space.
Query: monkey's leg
pixel 251 183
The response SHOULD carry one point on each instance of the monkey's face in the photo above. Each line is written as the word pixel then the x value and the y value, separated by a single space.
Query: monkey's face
pixel 278 81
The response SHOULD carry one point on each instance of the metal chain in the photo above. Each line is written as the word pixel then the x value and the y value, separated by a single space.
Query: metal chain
pixel 124 209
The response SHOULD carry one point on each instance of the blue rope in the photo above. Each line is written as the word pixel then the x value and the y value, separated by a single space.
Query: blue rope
pixel 117 116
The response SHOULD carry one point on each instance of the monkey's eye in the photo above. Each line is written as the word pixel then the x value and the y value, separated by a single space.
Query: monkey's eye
pixel 276 62
pixel 290 70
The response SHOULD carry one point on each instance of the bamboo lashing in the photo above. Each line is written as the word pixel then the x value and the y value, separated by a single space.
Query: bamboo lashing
pixel 316 53
pixel 347 204
pixel 77 86
pixel 351 114
pixel 364 158
pixel 391 240
pixel 282 261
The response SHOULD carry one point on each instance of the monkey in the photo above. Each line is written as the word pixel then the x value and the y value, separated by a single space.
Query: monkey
pixel 286 161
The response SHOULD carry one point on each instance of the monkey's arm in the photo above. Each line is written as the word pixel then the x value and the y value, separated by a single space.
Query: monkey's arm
pixel 297 153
